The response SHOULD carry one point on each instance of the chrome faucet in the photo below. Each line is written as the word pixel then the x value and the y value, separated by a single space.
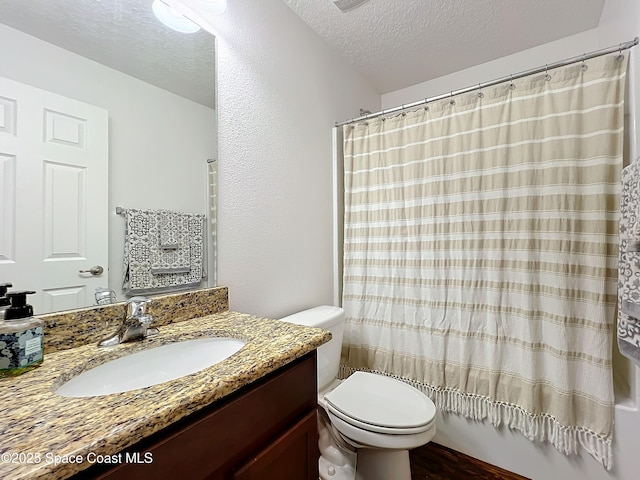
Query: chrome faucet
pixel 135 325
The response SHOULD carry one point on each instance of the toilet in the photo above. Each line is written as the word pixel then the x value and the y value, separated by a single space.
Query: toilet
pixel 379 418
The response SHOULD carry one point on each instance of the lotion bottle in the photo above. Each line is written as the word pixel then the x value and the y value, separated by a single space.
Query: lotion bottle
pixel 21 337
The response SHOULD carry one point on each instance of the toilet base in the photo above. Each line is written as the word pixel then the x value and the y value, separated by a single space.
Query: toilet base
pixel 337 458
pixel 382 464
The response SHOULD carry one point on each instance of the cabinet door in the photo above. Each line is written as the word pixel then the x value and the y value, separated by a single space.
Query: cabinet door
pixel 293 455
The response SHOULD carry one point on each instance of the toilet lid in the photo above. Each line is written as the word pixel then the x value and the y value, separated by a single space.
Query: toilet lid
pixel 377 401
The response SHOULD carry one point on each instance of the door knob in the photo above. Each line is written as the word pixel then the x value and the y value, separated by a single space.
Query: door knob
pixel 95 270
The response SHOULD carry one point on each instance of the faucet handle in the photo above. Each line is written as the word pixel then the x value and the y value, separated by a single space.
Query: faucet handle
pixel 136 306
pixel 146 320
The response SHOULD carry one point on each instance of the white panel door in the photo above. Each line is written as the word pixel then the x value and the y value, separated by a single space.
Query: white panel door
pixel 54 196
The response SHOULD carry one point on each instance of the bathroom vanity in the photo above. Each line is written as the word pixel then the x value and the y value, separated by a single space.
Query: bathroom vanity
pixel 249 416
pixel 264 431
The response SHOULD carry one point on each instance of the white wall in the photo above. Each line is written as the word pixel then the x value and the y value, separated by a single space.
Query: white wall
pixel 280 90
pixel 158 141
pixel 620 22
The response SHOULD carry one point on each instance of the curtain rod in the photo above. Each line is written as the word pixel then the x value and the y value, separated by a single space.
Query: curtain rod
pixel 533 71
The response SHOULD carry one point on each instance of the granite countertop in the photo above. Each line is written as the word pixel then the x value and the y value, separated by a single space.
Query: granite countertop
pixel 41 431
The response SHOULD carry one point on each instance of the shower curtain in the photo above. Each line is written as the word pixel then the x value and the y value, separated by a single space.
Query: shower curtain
pixel 480 251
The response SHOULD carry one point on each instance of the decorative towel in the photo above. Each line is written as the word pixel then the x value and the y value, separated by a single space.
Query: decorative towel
pixel 171 230
pixel 629 268
pixel 174 252
pixel 142 242
pixel 170 261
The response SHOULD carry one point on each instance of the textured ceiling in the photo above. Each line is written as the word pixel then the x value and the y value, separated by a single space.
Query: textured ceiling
pixel 398 43
pixel 124 35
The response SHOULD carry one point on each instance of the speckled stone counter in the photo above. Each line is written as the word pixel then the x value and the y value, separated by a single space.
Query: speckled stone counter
pixel 37 426
pixel 73 328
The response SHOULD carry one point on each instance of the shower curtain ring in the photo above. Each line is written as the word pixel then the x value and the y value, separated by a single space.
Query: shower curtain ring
pixel 426 106
pixel 451 101
pixel 547 77
pixel 512 85
pixel 584 67
pixel 480 94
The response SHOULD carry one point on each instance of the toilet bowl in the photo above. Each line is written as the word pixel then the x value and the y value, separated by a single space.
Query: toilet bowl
pixel 381 418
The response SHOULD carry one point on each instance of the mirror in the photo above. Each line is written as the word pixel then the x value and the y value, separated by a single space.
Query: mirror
pixel 158 89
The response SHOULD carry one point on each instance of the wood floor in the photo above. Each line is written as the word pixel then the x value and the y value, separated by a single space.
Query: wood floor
pixel 435 462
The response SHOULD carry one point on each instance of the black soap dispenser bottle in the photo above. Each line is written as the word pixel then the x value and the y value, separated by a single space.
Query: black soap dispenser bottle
pixel 21 337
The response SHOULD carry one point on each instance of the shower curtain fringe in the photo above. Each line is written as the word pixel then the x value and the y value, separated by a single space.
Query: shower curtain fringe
pixel 511 78
pixel 538 427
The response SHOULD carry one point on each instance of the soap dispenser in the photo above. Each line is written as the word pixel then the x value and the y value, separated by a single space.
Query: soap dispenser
pixel 4 300
pixel 21 337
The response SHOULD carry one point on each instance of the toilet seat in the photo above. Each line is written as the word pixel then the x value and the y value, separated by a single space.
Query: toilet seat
pixel 361 438
pixel 380 404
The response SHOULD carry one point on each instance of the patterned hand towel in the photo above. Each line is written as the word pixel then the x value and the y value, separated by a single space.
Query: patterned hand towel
pixel 171 230
pixel 629 266
pixel 142 242
pixel 173 254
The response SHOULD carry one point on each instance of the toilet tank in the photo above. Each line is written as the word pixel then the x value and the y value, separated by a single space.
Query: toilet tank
pixel 328 318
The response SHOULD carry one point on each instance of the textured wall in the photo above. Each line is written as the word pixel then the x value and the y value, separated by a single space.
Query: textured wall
pixel 280 90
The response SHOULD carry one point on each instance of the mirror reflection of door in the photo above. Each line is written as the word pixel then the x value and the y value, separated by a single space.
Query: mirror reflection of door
pixel 158 86
pixel 54 194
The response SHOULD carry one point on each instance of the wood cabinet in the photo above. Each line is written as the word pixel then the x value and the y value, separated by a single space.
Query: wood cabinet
pixel 289 457
pixel 267 430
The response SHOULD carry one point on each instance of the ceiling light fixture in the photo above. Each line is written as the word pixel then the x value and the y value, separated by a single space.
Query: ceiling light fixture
pixel 172 18
pixel 212 6
pixel 346 5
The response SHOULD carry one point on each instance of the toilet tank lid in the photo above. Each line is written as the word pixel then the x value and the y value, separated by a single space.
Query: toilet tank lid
pixel 321 317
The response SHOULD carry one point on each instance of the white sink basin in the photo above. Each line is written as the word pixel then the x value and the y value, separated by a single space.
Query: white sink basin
pixel 151 367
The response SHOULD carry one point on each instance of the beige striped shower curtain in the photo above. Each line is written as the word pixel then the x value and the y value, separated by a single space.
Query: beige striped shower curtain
pixel 480 251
